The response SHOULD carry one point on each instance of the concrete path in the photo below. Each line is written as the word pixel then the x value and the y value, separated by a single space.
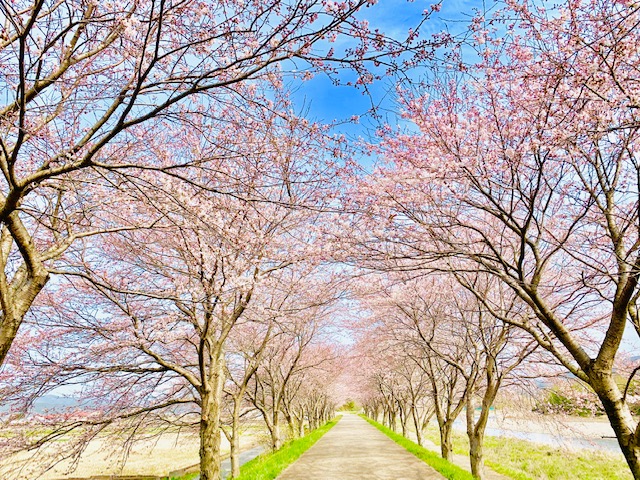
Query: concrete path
pixel 355 450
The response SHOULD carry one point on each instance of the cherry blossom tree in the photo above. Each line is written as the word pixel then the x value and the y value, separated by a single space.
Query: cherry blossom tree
pixel 152 309
pixel 87 86
pixel 525 165
pixel 391 383
pixel 245 349
pixel 314 401
pixel 291 317
pixel 435 341
pixel 288 357
pixel 429 329
pixel 499 350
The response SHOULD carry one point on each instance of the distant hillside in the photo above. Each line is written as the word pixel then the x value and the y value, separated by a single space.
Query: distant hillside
pixel 49 403
pixel 54 402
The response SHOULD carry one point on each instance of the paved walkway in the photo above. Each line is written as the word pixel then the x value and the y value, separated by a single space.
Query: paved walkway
pixel 355 450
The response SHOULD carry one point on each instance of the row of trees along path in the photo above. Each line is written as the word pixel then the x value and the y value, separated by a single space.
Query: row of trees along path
pixel 187 224
pixel 125 181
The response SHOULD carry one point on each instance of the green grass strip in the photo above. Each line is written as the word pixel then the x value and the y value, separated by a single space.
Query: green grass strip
pixel 524 460
pixel 449 470
pixel 269 465
pixel 188 476
pixel 509 472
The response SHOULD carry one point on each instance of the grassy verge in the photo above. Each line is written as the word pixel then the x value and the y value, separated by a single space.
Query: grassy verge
pixel 449 470
pixel 523 460
pixel 269 465
pixel 188 476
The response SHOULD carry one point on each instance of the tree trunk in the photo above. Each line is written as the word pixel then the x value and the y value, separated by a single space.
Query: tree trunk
pixel 623 424
pixel 476 455
pixel 28 281
pixel 14 311
pixel 276 442
pixel 417 423
pixel 404 417
pixel 234 453
pixel 9 325
pixel 476 438
pixel 293 431
pixel 235 441
pixel 426 420
pixel 446 444
pixel 210 425
pixel 393 423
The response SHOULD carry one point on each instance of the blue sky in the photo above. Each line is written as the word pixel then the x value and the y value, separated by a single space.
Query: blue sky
pixel 326 102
